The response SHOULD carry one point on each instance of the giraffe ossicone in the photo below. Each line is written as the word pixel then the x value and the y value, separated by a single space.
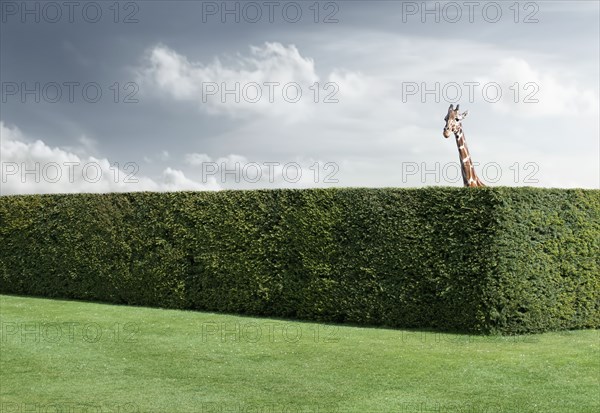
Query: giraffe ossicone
pixel 454 126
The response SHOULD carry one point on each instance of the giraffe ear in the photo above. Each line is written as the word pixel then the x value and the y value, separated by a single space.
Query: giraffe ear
pixel 464 114
pixel 451 107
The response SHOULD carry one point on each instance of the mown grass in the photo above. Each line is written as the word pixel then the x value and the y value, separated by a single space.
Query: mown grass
pixel 57 355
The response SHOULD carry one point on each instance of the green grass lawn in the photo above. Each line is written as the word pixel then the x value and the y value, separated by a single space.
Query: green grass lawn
pixel 60 355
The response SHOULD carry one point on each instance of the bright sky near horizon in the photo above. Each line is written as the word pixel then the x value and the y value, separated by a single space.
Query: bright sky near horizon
pixel 102 96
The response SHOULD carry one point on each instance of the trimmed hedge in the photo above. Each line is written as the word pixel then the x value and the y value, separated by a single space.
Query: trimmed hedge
pixel 487 260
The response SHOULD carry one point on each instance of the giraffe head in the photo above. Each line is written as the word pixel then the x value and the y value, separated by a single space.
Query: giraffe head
pixel 453 119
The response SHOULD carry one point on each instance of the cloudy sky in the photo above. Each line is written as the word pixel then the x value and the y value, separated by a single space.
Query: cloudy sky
pixel 178 95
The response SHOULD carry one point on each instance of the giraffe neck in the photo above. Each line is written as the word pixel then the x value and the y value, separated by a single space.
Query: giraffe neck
pixel 470 178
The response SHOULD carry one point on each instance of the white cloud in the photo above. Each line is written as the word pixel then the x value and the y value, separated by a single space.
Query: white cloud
pixel 266 82
pixel 531 92
pixel 88 144
pixel 196 159
pixel 352 85
pixel 34 167
pixel 175 180
pixel 237 171
pixel 85 145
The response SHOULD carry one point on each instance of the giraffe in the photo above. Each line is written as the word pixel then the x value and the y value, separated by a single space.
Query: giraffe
pixel 453 125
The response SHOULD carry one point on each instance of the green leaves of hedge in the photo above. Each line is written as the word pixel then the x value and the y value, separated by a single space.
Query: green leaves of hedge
pixel 492 260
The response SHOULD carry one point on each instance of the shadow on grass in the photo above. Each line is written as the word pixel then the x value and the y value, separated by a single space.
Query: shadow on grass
pixel 414 332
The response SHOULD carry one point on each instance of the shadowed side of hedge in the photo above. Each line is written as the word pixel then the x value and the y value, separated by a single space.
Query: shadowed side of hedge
pixel 547 273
